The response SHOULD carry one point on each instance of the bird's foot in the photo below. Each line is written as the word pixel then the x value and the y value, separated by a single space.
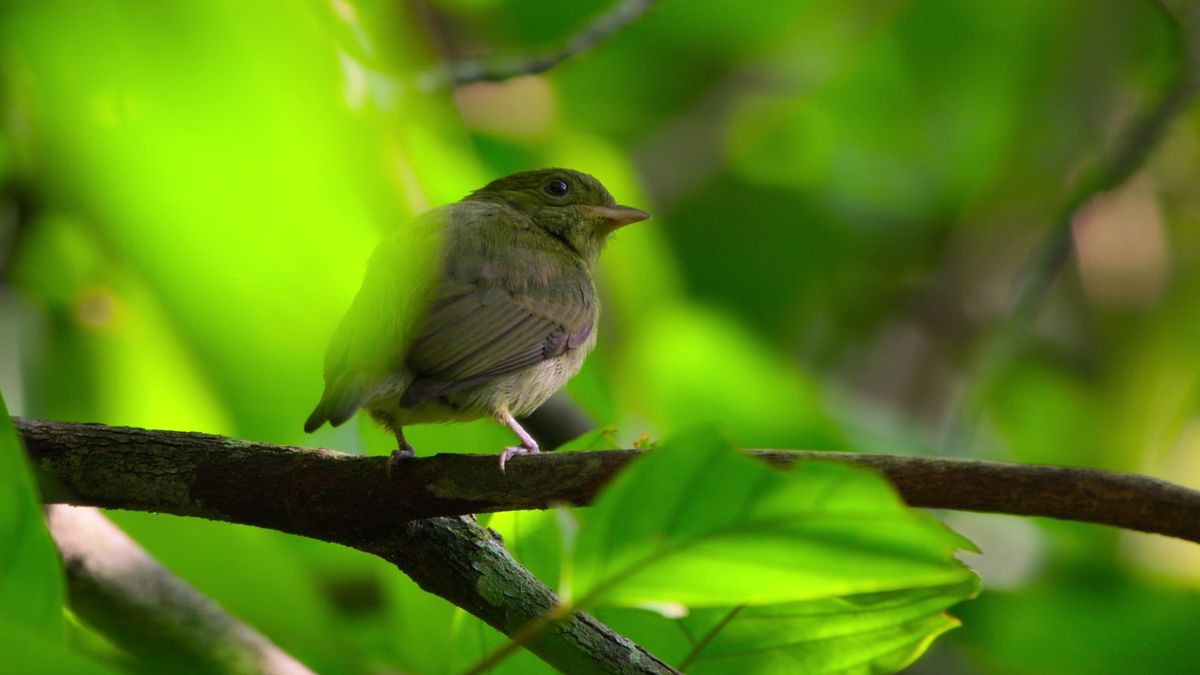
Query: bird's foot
pixel 528 444
pixel 403 452
pixel 513 450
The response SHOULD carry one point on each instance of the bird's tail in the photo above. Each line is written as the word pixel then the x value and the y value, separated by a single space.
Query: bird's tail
pixel 317 418
pixel 338 403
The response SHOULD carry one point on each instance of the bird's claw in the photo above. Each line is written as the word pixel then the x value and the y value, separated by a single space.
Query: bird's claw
pixel 399 453
pixel 513 450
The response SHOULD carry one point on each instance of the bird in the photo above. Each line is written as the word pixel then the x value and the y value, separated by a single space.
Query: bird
pixel 492 316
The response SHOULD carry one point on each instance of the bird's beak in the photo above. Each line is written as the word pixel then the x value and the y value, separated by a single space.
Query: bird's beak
pixel 619 216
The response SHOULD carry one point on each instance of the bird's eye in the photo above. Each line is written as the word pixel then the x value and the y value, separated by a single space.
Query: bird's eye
pixel 557 188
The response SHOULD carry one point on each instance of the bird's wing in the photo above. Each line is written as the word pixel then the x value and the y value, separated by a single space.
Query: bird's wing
pixel 476 331
pixel 368 347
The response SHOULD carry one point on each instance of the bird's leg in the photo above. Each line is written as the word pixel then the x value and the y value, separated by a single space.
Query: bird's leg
pixel 527 442
pixel 403 451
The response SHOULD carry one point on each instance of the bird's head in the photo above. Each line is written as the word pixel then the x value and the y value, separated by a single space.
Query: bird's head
pixel 570 206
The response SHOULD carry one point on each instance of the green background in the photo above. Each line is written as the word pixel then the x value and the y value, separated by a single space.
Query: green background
pixel 845 198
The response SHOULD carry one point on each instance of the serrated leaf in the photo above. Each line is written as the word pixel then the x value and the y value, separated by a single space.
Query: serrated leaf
pixel 873 633
pixel 698 523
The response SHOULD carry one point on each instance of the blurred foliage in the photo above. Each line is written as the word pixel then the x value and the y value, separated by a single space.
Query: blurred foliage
pixel 844 195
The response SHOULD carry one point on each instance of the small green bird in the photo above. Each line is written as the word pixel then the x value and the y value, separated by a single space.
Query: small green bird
pixel 505 315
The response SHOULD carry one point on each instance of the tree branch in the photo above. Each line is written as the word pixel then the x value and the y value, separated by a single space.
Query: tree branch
pixel 116 586
pixel 347 499
pixel 333 497
pixel 495 70
pixel 457 560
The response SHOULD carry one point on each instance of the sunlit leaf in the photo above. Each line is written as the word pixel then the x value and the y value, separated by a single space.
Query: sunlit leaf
pixel 873 633
pixel 31 577
pixel 698 524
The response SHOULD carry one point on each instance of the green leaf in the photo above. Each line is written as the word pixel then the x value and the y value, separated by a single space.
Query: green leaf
pixel 696 523
pixel 31 576
pixel 30 651
pixel 879 632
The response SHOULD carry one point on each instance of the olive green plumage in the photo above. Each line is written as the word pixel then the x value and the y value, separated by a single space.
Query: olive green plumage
pixel 505 316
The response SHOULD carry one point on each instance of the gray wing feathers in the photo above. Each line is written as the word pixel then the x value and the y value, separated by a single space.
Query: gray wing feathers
pixel 493 333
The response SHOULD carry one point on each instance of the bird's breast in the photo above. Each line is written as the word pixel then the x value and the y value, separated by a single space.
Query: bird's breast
pixel 528 389
pixel 523 391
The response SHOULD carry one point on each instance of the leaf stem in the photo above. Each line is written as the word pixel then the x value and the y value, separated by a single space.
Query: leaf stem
pixel 708 637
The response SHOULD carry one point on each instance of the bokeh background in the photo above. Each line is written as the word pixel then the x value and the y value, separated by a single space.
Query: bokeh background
pixel 847 198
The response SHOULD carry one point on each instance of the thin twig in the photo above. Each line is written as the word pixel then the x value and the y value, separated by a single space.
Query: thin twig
pixel 497 69
pixel 344 498
pixel 1048 259
pixel 1140 138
